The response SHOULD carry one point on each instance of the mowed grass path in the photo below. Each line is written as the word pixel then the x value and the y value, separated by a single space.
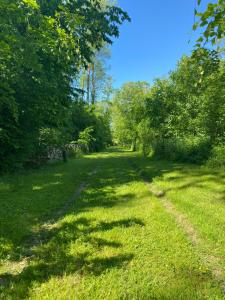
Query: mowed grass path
pixel 114 240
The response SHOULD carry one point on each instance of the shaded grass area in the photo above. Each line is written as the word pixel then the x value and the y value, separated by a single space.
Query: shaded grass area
pixel 114 242
pixel 27 200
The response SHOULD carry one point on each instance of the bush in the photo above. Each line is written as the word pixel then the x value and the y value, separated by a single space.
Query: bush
pixel 189 149
pixel 83 144
pixel 217 158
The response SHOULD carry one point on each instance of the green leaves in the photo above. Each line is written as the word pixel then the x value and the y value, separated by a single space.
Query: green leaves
pixel 31 3
pixel 195 26
pixel 44 44
pixel 128 110
pixel 189 103
pixel 213 22
pixel 199 40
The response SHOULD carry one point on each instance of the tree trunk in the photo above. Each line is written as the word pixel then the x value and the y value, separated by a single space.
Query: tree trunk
pixel 88 84
pixel 64 155
pixel 93 90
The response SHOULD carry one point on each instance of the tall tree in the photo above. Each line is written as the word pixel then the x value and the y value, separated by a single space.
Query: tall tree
pixel 94 79
pixel 43 46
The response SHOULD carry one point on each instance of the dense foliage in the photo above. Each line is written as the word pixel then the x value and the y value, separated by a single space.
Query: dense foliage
pixel 43 46
pixel 53 70
pixel 181 117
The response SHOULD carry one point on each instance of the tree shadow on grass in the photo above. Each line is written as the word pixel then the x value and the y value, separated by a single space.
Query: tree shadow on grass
pixel 52 255
pixel 29 201
pixel 58 255
pixel 187 175
pixel 48 246
pixel 203 180
pixel 32 212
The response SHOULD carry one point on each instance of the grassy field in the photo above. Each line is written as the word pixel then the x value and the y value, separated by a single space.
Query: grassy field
pixel 92 229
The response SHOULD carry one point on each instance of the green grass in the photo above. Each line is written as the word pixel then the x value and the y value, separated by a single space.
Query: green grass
pixel 197 192
pixel 115 241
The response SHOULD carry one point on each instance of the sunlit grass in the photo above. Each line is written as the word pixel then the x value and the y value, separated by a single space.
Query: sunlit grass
pixel 115 241
pixel 197 192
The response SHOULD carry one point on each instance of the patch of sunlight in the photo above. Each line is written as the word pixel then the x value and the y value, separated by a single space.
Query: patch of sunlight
pixel 54 183
pixel 14 267
pixel 37 188
pixel 58 174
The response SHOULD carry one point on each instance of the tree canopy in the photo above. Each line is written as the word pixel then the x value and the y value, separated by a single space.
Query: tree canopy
pixel 43 46
pixel 181 116
pixel 53 71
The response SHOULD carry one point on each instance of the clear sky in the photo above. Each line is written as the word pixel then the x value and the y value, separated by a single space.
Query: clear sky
pixel 154 41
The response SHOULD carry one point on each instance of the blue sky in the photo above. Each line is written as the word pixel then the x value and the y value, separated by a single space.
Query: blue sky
pixel 154 41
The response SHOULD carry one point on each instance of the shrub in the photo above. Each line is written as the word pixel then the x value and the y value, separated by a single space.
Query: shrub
pixel 217 158
pixel 85 139
pixel 189 149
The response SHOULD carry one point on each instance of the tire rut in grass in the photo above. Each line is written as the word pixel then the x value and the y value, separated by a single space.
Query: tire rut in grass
pixel 209 260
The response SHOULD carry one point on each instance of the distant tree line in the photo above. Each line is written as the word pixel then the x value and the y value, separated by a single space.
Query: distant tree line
pixel 181 117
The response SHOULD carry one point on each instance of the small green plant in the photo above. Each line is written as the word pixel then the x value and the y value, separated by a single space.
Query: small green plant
pixel 85 139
